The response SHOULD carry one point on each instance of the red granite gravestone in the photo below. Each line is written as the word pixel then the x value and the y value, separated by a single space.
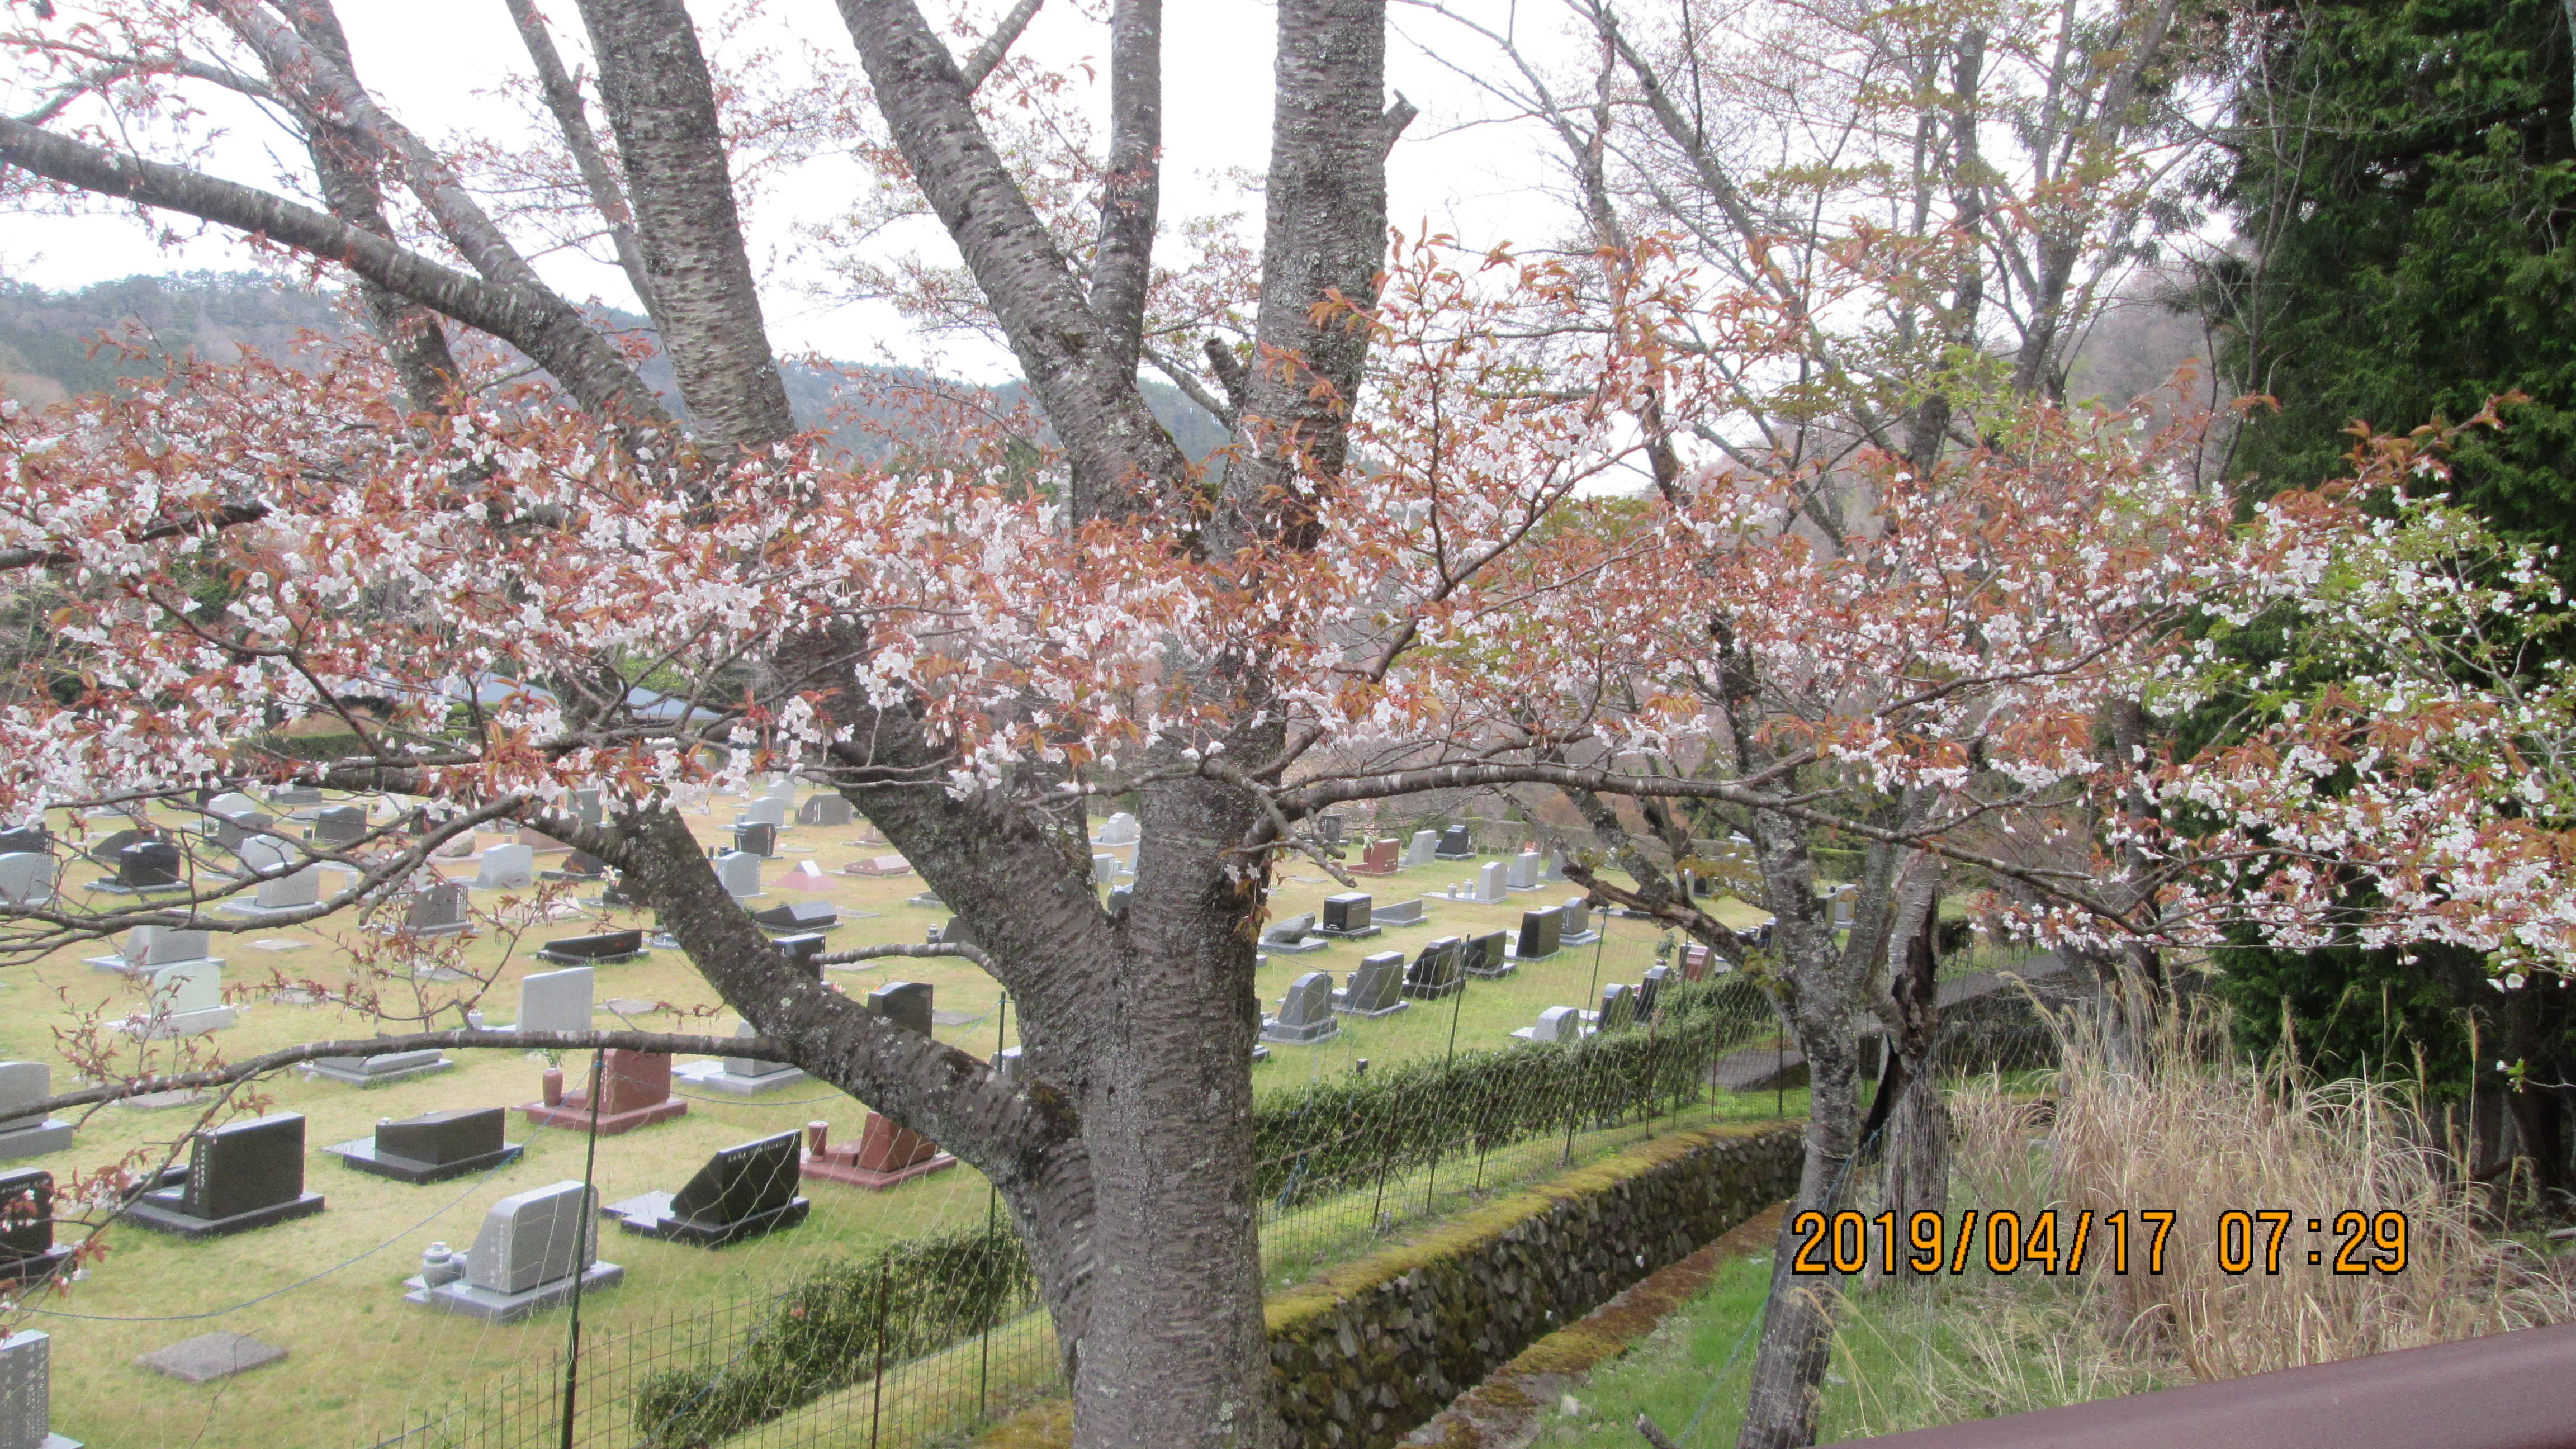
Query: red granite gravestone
pixel 884 1155
pixel 638 1094
pixel 1381 859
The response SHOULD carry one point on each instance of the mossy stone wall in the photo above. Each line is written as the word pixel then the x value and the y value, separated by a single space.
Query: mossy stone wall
pixel 1364 1354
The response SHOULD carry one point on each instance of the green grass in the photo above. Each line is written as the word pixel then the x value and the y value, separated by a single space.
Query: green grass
pixel 1905 1357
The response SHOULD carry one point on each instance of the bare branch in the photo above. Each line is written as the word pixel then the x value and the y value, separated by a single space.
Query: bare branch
pixel 979 66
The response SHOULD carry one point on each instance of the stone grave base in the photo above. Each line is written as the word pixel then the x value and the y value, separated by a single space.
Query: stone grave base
pixel 1362 934
pixel 34 1267
pixel 464 1298
pixel 1494 973
pixel 363 1156
pixel 1517 956
pixel 1579 938
pixel 574 1115
pixel 715 1078
pixel 159 1211
pixel 211 1356
pixel 178 1023
pixel 564 877
pixel 1444 855
pixel 1433 993
pixel 1321 1031
pixel 850 1175
pixel 366 1071
pixel 1260 1053
pixel 927 901
pixel 257 912
pixel 1309 944
pixel 35 1140
pixel 1392 920
pixel 114 889
pixel 452 928
pixel 1341 1010
pixel 560 959
pixel 650 1216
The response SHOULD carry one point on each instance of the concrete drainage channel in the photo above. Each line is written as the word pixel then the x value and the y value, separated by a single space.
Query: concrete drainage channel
pixel 1509 1408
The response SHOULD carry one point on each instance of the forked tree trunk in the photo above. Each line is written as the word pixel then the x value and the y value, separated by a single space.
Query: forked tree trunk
pixel 1914 1141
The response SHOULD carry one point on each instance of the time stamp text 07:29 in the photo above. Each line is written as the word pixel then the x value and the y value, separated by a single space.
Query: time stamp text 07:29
pixel 2131 1240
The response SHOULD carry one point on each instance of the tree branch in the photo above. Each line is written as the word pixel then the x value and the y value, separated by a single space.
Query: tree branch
pixel 563 99
pixel 978 67
pixel 660 98
pixel 752 1048
pixel 538 324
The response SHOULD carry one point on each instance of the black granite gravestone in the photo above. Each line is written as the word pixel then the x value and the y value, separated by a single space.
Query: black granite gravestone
pixel 27 1250
pixel 826 810
pixel 605 948
pixel 800 952
pixel 148 865
pixel 241 1175
pixel 1347 916
pixel 799 916
pixel 905 1003
pixel 433 1148
pixel 30 839
pixel 1457 842
pixel 1538 939
pixel 1488 955
pixel 741 1192
pixel 758 838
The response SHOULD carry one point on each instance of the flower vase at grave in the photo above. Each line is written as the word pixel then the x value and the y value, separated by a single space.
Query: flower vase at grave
pixel 550 1083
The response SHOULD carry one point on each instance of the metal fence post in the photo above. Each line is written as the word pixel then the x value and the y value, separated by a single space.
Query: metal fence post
pixel 876 1400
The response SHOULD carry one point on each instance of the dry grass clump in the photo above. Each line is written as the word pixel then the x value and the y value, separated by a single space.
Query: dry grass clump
pixel 2184 1122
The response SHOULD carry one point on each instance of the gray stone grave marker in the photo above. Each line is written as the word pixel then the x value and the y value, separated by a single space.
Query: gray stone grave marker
pixel 1557 1023
pixel 1306 1016
pixel 529 1251
pixel 26 878
pixel 740 872
pixel 1524 872
pixel 507 867
pixel 211 1356
pixel 1376 989
pixel 1576 928
pixel 22 1135
pixel 1421 848
pixel 26 1393
pixel 555 1000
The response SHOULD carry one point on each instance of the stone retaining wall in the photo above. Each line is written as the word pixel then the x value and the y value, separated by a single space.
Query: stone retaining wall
pixel 1363 1354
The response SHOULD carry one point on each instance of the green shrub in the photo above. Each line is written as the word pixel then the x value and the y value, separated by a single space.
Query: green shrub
pixel 1313 1141
pixel 829 1331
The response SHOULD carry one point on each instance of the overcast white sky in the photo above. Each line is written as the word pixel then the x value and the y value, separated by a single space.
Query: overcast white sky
pixel 429 60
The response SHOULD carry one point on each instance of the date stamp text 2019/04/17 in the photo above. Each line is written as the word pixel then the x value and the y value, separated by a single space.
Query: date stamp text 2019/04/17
pixel 2132 1240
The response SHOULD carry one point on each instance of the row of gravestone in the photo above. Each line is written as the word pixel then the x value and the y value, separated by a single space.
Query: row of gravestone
pixel 246 1175
pixel 1385 981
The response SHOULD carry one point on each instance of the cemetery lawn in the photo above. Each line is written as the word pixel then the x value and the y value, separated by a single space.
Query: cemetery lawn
pixel 362 1364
